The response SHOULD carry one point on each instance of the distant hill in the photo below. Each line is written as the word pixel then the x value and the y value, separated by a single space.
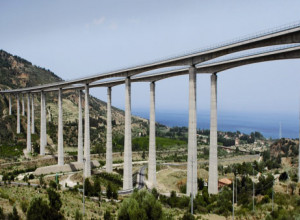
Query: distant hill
pixel 16 72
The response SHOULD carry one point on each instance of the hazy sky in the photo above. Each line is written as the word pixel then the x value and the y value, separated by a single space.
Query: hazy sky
pixel 80 38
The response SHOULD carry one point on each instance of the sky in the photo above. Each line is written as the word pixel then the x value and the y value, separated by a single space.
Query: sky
pixel 76 38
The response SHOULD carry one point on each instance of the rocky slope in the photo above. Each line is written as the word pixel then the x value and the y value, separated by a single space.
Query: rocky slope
pixel 16 72
pixel 285 148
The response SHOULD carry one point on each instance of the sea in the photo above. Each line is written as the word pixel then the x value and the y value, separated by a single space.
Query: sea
pixel 271 125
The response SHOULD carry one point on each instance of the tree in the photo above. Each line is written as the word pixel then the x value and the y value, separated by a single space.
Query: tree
pixel 97 186
pixel 283 176
pixel 38 209
pixel 88 188
pixel 114 193
pixel 53 184
pixel 41 179
pixel 54 199
pixel 141 205
pixel 200 184
pixel 109 191
pixel 155 193
pixel 224 202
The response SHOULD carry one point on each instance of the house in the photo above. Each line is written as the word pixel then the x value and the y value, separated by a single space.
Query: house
pixel 224 182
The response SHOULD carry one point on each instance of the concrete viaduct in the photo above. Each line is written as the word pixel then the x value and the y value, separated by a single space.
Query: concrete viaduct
pixel 199 62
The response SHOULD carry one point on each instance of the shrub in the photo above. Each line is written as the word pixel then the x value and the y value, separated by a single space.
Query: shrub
pixel 14 215
pixel 24 205
pixel 2 216
pixel 53 184
pixel 31 176
pixel 78 215
pixel 265 199
pixel 107 215
pixel 283 176
pixel 188 216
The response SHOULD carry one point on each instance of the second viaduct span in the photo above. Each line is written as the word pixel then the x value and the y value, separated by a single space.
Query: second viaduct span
pixel 197 62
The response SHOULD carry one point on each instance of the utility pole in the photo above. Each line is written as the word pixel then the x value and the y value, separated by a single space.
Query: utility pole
pixel 236 187
pixel 280 134
pixel 253 191
pixel 83 187
pixel 273 196
pixel 233 200
pixel 192 197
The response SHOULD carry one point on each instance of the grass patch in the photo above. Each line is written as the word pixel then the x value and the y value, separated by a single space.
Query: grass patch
pixel 11 151
pixel 142 143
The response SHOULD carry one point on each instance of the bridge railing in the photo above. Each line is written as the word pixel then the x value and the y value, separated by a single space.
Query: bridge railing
pixel 221 44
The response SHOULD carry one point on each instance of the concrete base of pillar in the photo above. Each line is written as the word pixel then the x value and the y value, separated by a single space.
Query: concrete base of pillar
pixel 74 166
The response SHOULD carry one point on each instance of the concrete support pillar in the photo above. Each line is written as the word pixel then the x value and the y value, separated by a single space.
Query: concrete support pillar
pixel 152 141
pixel 109 161
pixel 9 104
pixel 23 106
pixel 80 141
pixel 18 115
pixel 43 136
pixel 213 149
pixel 127 176
pixel 192 186
pixel 32 114
pixel 28 125
pixel 60 148
pixel 87 152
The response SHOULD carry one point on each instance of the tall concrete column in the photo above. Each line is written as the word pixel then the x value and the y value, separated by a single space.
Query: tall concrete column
pixel 18 115
pixel 43 137
pixel 192 186
pixel 32 114
pixel 87 151
pixel 9 104
pixel 45 120
pixel 60 148
pixel 109 133
pixel 23 105
pixel 127 176
pixel 28 125
pixel 152 141
pixel 213 149
pixel 80 141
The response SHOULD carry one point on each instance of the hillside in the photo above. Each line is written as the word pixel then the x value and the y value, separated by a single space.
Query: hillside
pixel 16 72
pixel 285 148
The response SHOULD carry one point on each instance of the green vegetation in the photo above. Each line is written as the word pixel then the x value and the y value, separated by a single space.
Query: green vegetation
pixel 11 151
pixel 40 209
pixel 141 205
pixel 114 179
pixel 142 143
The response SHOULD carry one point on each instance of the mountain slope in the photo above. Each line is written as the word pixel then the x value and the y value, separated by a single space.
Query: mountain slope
pixel 16 72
